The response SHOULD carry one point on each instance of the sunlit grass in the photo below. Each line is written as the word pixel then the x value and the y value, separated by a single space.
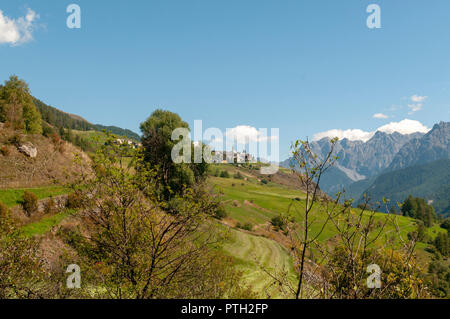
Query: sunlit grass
pixel 13 197
pixel 256 203
pixel 45 224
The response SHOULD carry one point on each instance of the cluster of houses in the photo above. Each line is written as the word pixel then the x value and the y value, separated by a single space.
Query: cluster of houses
pixel 217 156
pixel 233 157
pixel 122 141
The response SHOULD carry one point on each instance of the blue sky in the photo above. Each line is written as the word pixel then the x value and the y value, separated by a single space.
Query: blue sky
pixel 301 66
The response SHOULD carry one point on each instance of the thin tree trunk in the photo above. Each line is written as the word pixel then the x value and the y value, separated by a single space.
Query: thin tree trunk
pixel 302 260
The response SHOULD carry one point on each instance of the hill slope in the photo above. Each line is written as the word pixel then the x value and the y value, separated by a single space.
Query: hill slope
pixel 58 118
pixel 430 181
pixel 52 165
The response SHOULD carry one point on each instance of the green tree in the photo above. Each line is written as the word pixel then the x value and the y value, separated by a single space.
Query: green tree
pixel 442 243
pixel 157 141
pixel 417 208
pixel 17 108
pixel 135 248
pixel 420 234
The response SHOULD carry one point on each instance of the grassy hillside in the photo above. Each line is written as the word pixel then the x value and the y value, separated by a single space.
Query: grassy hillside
pixel 255 254
pixel 253 202
pixel 44 225
pixel 251 199
pixel 13 197
pixel 53 164
pixel 118 131
pixel 93 139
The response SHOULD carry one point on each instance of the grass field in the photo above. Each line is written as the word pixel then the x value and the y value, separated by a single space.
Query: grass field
pixel 45 224
pixel 13 197
pixel 250 201
pixel 255 253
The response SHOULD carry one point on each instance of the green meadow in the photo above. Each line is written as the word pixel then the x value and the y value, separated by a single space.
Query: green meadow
pixel 250 201
pixel 13 197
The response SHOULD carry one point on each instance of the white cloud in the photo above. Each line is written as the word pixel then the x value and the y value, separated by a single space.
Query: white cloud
pixel 415 107
pixel 395 107
pixel 17 31
pixel 245 134
pixel 403 127
pixel 380 116
pixel 352 135
pixel 417 98
pixel 417 103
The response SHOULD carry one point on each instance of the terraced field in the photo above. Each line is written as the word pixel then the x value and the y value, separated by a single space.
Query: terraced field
pixel 45 224
pixel 251 201
pixel 254 256
pixel 13 197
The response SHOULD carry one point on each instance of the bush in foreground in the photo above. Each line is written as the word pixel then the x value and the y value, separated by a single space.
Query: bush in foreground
pixel 29 203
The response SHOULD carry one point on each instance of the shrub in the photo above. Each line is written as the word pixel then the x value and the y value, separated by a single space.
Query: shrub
pixel 47 130
pixel 446 224
pixel 224 174
pixel 50 206
pixel 74 200
pixel 246 226
pixel 278 222
pixel 238 175
pixel 58 143
pixel 264 181
pixel 4 211
pixel 29 203
pixel 4 150
pixel 220 212
pixel 16 140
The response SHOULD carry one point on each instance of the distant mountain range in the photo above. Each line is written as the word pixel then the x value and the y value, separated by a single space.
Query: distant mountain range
pixel 391 165
pixel 433 146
